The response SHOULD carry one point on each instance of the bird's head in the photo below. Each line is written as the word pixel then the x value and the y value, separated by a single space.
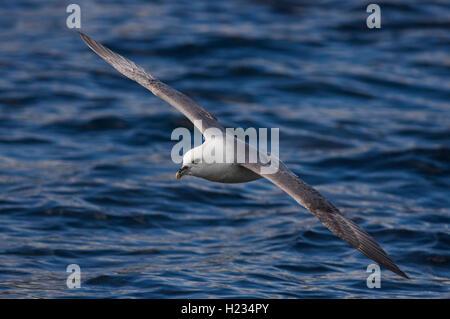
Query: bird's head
pixel 192 162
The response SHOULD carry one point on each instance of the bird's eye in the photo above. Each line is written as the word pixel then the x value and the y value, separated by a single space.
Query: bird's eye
pixel 195 161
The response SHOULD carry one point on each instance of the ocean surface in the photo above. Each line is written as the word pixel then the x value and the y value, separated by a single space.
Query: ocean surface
pixel 86 175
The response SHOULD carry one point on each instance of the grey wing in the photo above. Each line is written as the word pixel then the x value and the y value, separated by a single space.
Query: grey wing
pixel 329 215
pixel 181 102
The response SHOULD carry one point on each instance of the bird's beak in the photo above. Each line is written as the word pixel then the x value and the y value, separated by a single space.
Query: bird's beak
pixel 181 172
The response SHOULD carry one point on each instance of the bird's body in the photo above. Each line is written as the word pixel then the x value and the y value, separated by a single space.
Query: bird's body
pixel 225 173
pixel 199 161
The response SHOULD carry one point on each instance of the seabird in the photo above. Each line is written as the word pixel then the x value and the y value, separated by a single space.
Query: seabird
pixel 195 163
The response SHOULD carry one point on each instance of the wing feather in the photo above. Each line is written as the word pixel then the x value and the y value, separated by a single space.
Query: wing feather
pixel 131 70
pixel 328 214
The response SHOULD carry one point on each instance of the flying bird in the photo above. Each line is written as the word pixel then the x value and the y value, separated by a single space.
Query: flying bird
pixel 196 164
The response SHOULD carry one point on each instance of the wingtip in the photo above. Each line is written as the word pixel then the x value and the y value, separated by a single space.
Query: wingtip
pixel 395 269
pixel 86 39
pixel 82 35
pixel 401 273
pixel 91 43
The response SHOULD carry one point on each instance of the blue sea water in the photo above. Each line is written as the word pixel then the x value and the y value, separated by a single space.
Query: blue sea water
pixel 86 175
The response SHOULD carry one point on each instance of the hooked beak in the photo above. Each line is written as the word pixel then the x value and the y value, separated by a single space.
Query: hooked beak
pixel 181 172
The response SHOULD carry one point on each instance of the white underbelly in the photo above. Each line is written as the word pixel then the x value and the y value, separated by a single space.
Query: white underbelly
pixel 229 173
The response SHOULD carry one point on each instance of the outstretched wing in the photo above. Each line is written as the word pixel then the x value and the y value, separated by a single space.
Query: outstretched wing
pixel 181 102
pixel 329 215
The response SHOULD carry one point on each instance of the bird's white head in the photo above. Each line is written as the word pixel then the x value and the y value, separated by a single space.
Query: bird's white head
pixel 192 163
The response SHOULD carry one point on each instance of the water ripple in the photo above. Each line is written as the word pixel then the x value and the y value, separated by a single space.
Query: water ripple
pixel 85 164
